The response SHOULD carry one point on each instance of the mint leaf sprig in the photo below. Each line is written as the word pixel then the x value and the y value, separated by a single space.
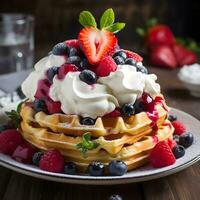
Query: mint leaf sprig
pixel 86 144
pixel 14 115
pixel 106 21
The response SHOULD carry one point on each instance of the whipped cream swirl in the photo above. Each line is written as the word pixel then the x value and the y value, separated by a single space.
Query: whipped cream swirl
pixel 77 97
pixel 127 85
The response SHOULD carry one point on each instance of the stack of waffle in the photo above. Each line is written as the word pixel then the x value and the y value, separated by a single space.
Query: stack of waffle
pixel 126 139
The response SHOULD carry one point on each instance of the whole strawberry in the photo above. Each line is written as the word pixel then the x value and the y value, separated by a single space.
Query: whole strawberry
pixel 9 140
pixel 161 155
pixel 52 161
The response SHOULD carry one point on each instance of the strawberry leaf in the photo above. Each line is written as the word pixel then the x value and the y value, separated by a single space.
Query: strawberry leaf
pixel 87 19
pixel 107 19
pixel 116 27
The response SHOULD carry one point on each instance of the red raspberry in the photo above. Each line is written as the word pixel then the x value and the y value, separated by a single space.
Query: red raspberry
pixel 53 106
pixel 52 161
pixel 133 55
pixel 65 68
pixel 24 153
pixel 114 113
pixel 72 43
pixel 172 143
pixel 179 128
pixel 161 155
pixel 9 140
pixel 106 66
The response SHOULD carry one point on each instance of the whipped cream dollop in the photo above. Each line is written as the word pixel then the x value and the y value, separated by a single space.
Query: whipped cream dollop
pixel 127 85
pixel 190 73
pixel 77 97
pixel 29 86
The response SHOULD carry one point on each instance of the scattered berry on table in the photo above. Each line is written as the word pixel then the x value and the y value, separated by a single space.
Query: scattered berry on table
pixel 176 138
pixel 60 49
pixel 52 161
pixel 9 140
pixel 106 66
pixel 172 117
pixel 37 157
pixel 66 68
pixel 70 168
pixel 96 168
pixel 117 168
pixel 179 128
pixel 161 155
pixel 88 77
pixel 40 106
pixel 87 121
pixel 121 54
pixel 178 151
pixel 119 60
pixel 186 139
pixel 128 109
pixel 130 61
pixel 115 197
pixel 24 153
pixel 51 72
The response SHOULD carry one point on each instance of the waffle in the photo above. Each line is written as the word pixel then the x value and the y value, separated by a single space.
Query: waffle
pixel 131 146
pixel 70 124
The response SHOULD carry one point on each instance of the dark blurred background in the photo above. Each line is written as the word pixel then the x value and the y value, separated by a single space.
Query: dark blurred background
pixel 57 20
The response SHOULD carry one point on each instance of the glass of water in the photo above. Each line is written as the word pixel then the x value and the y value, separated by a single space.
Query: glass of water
pixel 16 42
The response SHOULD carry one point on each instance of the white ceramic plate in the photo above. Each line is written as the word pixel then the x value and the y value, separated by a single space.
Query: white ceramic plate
pixel 141 174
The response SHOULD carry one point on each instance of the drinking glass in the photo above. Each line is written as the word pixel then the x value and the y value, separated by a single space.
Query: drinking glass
pixel 16 42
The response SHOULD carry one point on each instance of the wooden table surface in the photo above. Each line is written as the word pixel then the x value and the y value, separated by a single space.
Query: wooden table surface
pixel 184 185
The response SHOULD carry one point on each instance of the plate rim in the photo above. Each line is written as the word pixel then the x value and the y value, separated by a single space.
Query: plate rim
pixel 105 180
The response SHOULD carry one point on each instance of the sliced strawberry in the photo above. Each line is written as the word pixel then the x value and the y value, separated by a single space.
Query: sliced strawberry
pixel 114 113
pixel 184 56
pixel 96 43
pixel 106 66
pixel 133 55
pixel 159 35
pixel 53 106
pixel 163 56
pixel 72 43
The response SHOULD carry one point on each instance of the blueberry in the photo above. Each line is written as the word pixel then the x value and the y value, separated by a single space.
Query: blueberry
pixel 130 61
pixel 51 72
pixel 115 197
pixel 96 168
pixel 76 60
pixel 72 52
pixel 141 68
pixel 88 77
pixel 119 60
pixel 186 139
pixel 70 168
pixel 128 109
pixel 117 168
pixel 87 121
pixel 84 64
pixel 172 117
pixel 121 54
pixel 40 106
pixel 60 49
pixel 176 138
pixel 37 157
pixel 139 106
pixel 178 151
